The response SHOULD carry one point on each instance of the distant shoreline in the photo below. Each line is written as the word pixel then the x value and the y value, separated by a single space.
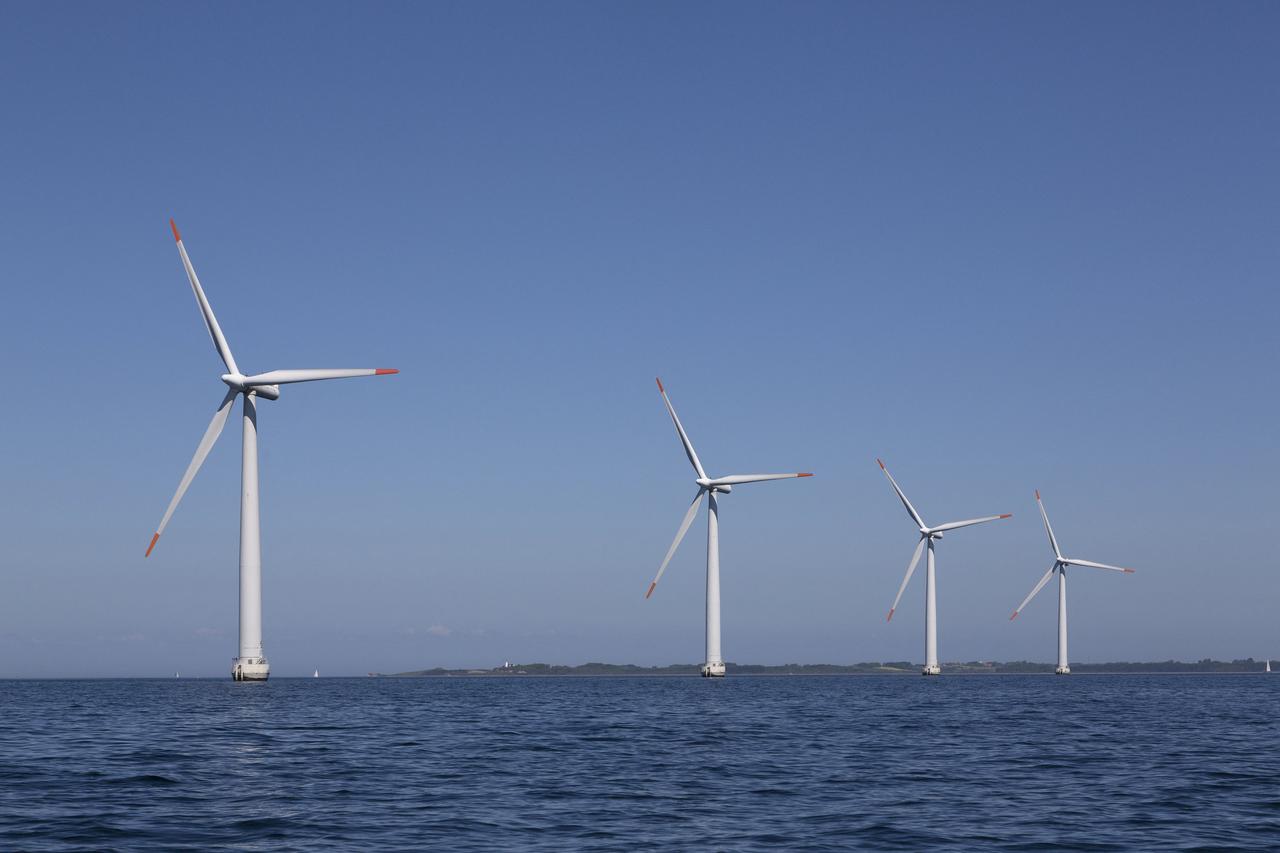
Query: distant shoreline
pixel 534 670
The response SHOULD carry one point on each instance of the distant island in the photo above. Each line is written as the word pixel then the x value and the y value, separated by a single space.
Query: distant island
pixel 515 670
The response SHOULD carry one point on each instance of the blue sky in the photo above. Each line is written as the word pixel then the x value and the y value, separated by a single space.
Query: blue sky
pixel 1002 246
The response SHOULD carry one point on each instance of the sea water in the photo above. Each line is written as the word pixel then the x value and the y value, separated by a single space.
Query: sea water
pixel 1088 762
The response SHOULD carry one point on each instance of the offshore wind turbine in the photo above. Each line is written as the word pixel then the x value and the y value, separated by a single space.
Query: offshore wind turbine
pixel 251 662
pixel 927 536
pixel 1059 566
pixel 713 667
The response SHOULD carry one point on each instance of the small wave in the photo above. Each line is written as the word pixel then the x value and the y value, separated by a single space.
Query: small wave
pixel 145 779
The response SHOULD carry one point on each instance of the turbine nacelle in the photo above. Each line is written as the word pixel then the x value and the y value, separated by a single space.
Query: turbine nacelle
pixel 245 384
pixel 712 486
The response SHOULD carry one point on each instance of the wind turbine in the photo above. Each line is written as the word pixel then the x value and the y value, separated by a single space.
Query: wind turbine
pixel 927 536
pixel 714 665
pixel 1060 564
pixel 251 663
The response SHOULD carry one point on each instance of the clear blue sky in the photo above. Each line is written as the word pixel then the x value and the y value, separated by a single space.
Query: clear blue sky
pixel 1002 246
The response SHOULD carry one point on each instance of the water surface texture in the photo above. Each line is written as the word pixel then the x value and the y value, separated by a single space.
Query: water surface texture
pixel 809 763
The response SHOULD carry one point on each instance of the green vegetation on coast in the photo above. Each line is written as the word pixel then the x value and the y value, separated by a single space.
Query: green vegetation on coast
pixel 890 668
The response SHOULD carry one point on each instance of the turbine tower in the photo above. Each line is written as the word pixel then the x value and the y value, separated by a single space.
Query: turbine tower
pixel 714 665
pixel 927 536
pixel 251 662
pixel 1059 566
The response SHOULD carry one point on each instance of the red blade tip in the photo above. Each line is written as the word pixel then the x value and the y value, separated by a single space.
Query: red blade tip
pixel 804 475
pixel 881 464
pixel 651 588
pixel 177 238
pixel 660 388
pixel 385 371
pixel 1129 571
pixel 890 616
pixel 1007 515
pixel 1014 616
pixel 152 545
pixel 1037 494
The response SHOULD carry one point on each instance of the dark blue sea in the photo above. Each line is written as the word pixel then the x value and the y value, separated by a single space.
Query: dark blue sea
pixel 1086 762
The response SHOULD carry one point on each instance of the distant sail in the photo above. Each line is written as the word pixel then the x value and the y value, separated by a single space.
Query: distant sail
pixel 316 674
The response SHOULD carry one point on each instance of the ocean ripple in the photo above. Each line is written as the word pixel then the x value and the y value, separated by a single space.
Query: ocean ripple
pixel 1008 762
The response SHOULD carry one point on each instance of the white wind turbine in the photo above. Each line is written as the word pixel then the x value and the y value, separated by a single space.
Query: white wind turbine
pixel 251 663
pixel 1060 564
pixel 927 536
pixel 714 665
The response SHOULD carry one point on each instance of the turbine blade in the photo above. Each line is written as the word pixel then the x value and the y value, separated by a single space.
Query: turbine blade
pixel 956 525
pixel 1044 580
pixel 684 528
pixel 202 450
pixel 911 567
pixel 210 321
pixel 684 439
pixel 1092 565
pixel 284 377
pixel 739 479
pixel 1053 540
pixel 915 516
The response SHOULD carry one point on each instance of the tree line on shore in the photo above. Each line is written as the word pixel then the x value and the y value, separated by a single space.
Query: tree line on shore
pixel 1206 665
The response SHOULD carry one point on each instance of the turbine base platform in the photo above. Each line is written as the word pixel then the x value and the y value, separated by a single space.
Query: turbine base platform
pixel 250 669
pixel 931 670
pixel 1062 670
pixel 713 670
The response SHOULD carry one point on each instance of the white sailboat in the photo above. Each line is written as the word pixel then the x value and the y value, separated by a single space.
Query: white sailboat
pixel 1268 669
pixel 316 674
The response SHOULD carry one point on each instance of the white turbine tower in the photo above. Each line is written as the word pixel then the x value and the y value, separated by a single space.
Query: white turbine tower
pixel 927 536
pixel 714 666
pixel 251 663
pixel 1060 564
